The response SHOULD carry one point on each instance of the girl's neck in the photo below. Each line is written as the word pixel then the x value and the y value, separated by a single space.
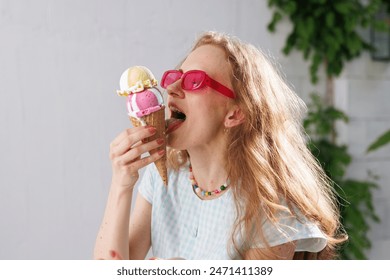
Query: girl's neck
pixel 208 168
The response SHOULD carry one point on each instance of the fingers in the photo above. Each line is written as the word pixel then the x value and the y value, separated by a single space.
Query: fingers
pixel 126 174
pixel 126 151
pixel 133 135
pixel 140 163
pixel 136 151
pixel 128 138
pixel 131 161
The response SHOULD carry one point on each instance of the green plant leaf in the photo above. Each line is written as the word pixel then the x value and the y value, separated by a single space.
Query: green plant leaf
pixel 290 7
pixel 330 20
pixel 382 140
pixel 342 7
pixel 328 28
pixel 277 16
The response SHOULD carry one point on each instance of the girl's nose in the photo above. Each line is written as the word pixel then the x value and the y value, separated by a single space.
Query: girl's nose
pixel 175 89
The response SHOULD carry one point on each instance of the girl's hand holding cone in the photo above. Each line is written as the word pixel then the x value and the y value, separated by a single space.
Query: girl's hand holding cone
pixel 125 154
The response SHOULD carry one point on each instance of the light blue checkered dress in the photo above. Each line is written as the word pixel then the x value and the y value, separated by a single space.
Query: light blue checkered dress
pixel 187 227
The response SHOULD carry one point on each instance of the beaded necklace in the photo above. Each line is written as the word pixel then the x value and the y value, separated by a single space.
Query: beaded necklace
pixel 204 193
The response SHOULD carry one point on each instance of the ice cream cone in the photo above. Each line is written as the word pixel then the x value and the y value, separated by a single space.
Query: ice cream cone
pixel 145 106
pixel 157 120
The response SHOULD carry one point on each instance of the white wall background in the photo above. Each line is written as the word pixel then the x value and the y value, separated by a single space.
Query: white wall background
pixel 60 62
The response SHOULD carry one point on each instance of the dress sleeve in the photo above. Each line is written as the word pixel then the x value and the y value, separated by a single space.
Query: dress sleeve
pixel 306 234
pixel 146 184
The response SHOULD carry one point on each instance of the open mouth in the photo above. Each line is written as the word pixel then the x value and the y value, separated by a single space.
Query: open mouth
pixel 177 119
pixel 177 114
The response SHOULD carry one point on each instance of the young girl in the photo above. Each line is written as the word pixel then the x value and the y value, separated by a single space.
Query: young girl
pixel 242 184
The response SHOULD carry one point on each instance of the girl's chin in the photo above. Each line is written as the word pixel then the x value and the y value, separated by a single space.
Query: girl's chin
pixel 178 141
pixel 174 143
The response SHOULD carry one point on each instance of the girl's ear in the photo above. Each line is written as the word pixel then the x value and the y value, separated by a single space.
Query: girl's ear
pixel 234 117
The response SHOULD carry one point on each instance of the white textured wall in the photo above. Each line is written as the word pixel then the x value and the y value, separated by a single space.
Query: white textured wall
pixel 60 62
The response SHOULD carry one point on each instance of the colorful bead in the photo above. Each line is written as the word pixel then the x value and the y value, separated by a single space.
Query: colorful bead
pixel 201 192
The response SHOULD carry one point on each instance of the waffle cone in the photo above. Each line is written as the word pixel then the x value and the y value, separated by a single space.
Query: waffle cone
pixel 156 119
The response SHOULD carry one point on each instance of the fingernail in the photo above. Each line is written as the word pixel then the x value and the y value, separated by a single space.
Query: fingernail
pixel 161 152
pixel 152 129
pixel 160 141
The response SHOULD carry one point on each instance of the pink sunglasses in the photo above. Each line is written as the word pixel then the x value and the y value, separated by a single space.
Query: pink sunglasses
pixel 193 80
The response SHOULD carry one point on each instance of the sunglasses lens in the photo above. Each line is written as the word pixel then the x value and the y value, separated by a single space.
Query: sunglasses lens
pixel 170 77
pixel 193 80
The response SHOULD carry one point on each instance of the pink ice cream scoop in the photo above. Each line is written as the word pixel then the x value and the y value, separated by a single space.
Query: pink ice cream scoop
pixel 143 97
pixel 145 102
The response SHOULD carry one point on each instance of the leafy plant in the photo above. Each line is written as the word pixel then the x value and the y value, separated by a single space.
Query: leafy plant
pixel 326 32
pixel 355 198
pixel 382 140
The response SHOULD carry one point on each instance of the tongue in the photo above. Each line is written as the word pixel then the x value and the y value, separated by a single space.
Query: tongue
pixel 172 123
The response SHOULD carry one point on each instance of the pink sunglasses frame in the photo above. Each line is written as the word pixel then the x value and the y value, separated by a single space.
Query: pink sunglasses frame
pixel 206 81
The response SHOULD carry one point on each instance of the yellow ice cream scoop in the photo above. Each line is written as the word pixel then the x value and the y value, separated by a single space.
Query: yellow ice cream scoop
pixel 136 79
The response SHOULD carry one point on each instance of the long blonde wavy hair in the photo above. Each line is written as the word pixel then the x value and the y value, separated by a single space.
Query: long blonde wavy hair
pixel 267 158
